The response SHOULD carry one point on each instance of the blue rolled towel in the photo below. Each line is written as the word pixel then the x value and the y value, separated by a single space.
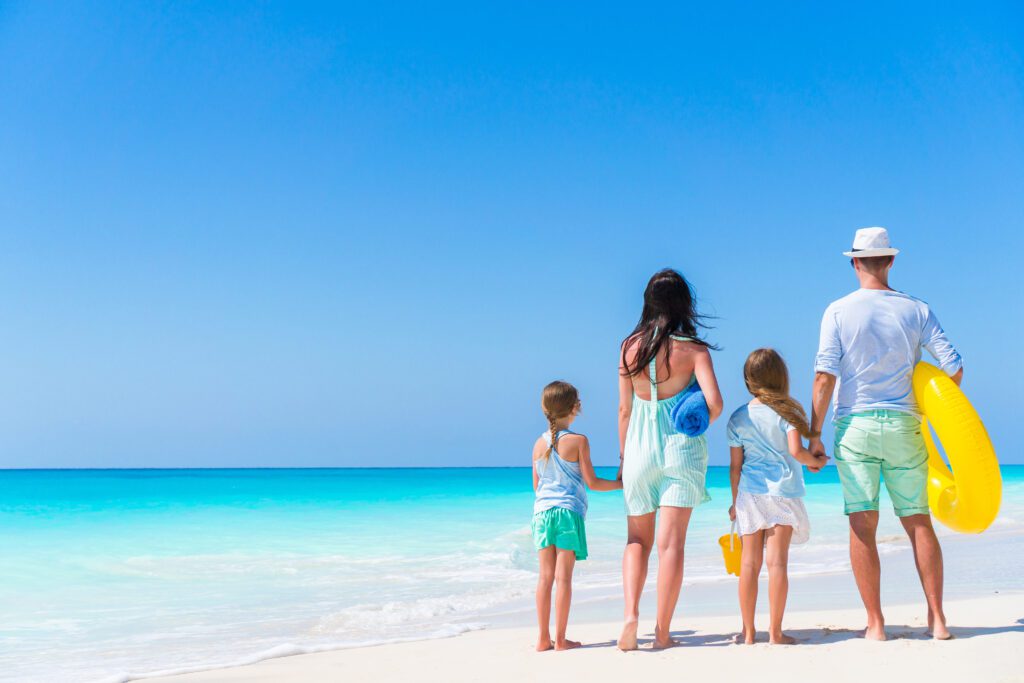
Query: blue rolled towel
pixel 690 414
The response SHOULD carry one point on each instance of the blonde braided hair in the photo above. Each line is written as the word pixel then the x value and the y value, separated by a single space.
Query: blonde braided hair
pixel 558 401
pixel 767 379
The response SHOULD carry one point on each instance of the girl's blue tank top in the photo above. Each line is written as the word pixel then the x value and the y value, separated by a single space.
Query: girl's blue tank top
pixel 559 482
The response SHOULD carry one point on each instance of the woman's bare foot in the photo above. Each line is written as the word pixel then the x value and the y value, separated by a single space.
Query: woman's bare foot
pixel 663 641
pixel 544 644
pixel 627 639
pixel 567 644
pixel 781 638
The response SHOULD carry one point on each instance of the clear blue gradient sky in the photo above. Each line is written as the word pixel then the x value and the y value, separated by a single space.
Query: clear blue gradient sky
pixel 310 235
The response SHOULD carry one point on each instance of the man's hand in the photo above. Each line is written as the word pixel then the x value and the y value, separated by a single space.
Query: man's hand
pixel 732 513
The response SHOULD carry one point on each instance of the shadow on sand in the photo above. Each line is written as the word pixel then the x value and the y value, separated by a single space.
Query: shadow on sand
pixel 817 636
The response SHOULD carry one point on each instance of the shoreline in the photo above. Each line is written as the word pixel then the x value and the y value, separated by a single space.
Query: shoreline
pixel 987 631
pixel 707 606
pixel 211 571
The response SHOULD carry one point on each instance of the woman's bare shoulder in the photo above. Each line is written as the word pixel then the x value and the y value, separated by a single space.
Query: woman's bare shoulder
pixel 688 346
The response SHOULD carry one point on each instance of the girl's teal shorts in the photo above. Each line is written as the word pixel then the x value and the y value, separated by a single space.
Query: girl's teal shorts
pixel 561 528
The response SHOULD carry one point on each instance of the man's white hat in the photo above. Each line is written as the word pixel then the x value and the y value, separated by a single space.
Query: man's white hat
pixel 871 242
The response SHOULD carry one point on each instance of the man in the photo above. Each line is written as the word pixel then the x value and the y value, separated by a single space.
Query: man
pixel 870 342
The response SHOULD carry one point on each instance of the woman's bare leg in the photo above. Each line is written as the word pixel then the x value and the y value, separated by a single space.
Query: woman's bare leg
pixel 564 562
pixel 778 539
pixel 671 542
pixel 750 570
pixel 545 578
pixel 639 541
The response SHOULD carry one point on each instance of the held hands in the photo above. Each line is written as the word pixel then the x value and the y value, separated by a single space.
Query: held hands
pixel 817 449
pixel 820 461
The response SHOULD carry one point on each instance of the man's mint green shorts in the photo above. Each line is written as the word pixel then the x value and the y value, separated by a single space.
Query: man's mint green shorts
pixel 882 445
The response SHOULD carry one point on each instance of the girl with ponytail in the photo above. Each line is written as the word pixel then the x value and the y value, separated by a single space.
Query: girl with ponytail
pixel 561 468
pixel 766 449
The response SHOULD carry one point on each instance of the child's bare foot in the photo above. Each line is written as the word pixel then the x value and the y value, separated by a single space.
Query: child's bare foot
pixel 781 638
pixel 567 644
pixel 745 637
pixel 876 632
pixel 627 639
pixel 544 644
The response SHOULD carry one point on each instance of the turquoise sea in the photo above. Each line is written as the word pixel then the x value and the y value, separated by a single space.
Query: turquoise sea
pixel 112 574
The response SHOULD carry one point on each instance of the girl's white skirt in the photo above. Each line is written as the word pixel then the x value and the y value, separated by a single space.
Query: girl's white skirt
pixel 756 511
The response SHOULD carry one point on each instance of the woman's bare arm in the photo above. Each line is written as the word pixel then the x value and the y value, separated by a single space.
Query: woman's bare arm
pixel 625 406
pixel 705 371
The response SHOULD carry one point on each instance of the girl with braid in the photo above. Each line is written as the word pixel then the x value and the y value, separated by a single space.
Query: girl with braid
pixel 561 467
pixel 766 452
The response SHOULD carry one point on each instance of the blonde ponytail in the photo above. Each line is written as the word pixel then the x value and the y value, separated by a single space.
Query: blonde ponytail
pixel 767 379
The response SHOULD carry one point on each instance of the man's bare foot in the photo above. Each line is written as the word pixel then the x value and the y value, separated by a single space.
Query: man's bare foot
pixel 937 628
pixel 567 644
pixel 627 639
pixel 781 639
pixel 875 633
pixel 544 645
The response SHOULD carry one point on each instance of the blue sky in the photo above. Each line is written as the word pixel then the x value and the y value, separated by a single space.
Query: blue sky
pixel 368 235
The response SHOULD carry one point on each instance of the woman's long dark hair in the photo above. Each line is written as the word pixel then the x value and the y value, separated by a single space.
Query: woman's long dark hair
pixel 669 308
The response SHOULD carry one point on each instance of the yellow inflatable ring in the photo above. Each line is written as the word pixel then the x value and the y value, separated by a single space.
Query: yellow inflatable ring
pixel 969 502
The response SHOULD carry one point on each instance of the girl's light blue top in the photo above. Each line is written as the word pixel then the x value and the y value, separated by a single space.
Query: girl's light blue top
pixel 559 482
pixel 767 465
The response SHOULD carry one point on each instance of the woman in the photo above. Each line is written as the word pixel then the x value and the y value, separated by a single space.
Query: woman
pixel 661 467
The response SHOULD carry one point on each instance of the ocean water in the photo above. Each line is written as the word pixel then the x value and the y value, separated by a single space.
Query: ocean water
pixel 110 575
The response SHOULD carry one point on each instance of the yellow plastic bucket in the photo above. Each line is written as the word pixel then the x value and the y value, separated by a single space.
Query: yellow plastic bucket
pixel 732 550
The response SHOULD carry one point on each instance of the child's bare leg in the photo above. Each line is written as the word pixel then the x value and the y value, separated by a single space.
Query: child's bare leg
pixel 639 541
pixel 544 580
pixel 564 563
pixel 751 557
pixel 778 539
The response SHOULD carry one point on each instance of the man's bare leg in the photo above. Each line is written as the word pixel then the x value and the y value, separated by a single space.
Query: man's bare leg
pixel 867 570
pixel 928 557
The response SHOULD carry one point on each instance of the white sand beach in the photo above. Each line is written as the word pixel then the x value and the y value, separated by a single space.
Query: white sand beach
pixel 988 647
